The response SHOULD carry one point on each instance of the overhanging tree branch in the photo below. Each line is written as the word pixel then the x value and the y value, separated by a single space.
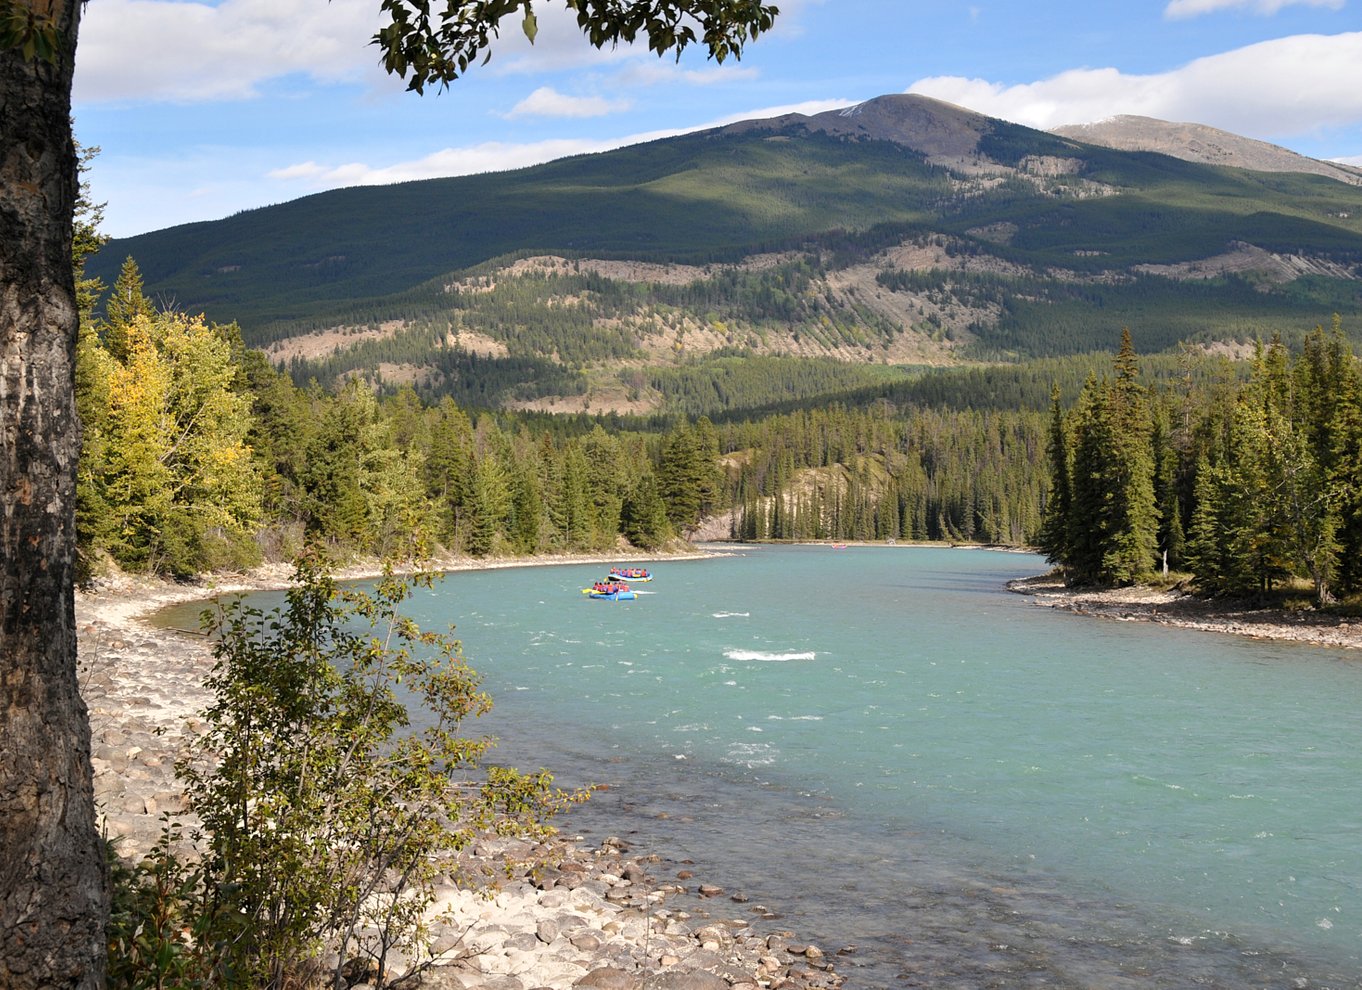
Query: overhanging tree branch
pixel 432 45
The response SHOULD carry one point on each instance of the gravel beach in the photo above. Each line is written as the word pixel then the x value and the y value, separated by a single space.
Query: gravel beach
pixel 593 917
pixel 1178 608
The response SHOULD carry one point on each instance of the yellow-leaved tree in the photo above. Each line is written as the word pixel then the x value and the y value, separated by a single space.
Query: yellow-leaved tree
pixel 167 482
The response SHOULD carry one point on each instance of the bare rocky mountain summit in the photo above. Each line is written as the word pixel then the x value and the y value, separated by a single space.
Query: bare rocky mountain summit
pixel 1207 145
pixel 933 127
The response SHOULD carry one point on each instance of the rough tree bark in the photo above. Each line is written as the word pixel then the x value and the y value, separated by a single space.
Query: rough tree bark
pixel 53 884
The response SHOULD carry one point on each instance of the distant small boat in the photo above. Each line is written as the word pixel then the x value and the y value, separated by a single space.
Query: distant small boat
pixel 839 546
pixel 637 575
pixel 610 591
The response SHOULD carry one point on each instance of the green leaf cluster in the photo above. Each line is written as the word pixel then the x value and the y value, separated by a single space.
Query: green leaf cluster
pixel 434 47
pixel 30 29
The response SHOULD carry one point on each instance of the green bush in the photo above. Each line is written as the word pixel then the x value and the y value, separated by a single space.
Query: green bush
pixel 326 812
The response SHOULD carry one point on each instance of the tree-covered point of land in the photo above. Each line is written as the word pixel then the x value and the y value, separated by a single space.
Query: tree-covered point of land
pixel 1244 483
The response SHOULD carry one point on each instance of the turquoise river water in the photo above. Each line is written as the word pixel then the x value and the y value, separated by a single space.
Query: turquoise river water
pixel 899 757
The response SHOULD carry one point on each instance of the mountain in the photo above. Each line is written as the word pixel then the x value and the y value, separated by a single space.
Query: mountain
pixel 1199 143
pixel 780 257
pixel 934 128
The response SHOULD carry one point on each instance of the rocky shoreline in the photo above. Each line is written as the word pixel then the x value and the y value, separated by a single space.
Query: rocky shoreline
pixel 1174 607
pixel 593 917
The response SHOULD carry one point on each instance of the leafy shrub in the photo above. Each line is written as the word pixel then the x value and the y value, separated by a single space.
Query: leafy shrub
pixel 327 811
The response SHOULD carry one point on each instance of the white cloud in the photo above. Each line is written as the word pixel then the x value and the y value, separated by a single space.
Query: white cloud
pixel 1178 9
pixel 499 156
pixel 1285 87
pixel 151 50
pixel 548 102
pixel 189 52
pixel 490 156
pixel 808 108
pixel 662 72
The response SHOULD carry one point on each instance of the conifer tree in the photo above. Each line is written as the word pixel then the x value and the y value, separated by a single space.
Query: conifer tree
pixel 1171 538
pixel 684 477
pixel 1207 547
pixel 489 504
pixel 606 482
pixel 526 523
pixel 86 239
pixel 448 470
pixel 332 501
pixel 1085 539
pixel 125 304
pixel 575 515
pixel 1054 530
pixel 1344 460
pixel 1330 393
pixel 1251 531
pixel 1112 523
pixel 1305 504
pixel 400 519
pixel 95 517
pixel 644 515
pixel 1131 528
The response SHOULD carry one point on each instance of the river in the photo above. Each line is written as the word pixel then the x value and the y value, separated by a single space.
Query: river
pixel 899 758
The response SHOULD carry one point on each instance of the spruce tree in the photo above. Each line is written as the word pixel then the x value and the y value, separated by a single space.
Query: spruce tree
pixel 644 515
pixel 448 470
pixel 1171 538
pixel 574 515
pixel 489 505
pixel 1206 544
pixel 1085 539
pixel 124 305
pixel 1344 471
pixel 685 477
pixel 1054 528
pixel 1131 529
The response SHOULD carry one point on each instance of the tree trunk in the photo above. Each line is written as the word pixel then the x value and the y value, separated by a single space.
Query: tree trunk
pixel 53 880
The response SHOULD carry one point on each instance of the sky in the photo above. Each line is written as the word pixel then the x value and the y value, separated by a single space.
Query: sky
pixel 201 110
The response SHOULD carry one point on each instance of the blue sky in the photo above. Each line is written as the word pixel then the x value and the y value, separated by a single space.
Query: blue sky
pixel 205 109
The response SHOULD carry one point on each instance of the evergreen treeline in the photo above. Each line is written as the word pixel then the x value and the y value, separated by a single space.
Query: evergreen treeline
pixel 882 473
pixel 198 454
pixel 1246 484
pixel 720 382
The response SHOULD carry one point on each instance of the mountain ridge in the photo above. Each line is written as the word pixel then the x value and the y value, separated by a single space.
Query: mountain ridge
pixel 902 230
pixel 1202 143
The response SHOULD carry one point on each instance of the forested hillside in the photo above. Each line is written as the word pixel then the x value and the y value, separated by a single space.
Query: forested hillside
pixel 905 234
pixel 200 455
